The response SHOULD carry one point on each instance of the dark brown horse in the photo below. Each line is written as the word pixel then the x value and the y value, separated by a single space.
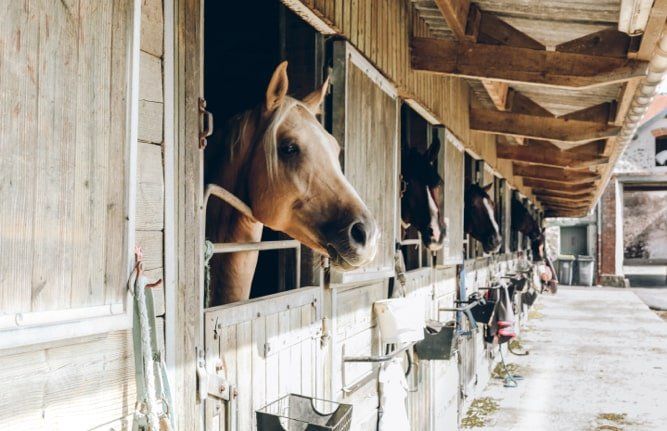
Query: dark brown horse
pixel 421 191
pixel 527 225
pixel 479 217
pixel 284 165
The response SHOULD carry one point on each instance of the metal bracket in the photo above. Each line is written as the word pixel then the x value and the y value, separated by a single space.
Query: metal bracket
pixel 207 124
pixel 212 385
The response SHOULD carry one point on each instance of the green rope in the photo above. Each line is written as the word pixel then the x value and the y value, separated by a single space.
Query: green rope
pixel 208 254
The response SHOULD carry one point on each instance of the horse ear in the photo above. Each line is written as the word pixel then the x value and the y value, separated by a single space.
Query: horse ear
pixel 275 93
pixel 487 187
pixel 314 100
pixel 433 150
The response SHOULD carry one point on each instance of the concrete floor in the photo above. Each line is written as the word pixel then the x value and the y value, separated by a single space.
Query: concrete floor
pixel 598 361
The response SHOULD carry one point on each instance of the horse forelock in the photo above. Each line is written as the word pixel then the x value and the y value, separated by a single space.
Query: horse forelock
pixel 265 134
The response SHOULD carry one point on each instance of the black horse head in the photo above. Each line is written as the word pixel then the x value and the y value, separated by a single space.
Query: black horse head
pixel 421 188
pixel 537 245
pixel 479 218
pixel 527 225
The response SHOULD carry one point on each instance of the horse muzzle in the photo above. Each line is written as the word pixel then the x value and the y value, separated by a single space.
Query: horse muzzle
pixel 354 245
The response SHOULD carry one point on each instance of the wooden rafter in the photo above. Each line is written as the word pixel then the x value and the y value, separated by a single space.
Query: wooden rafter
pixel 456 14
pixel 537 127
pixel 554 174
pixel 523 65
pixel 498 92
pixel 564 195
pixel 536 183
pixel 608 43
pixel 544 153
pixel 547 200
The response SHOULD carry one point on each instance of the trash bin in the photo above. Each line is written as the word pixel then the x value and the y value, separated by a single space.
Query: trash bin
pixel 565 264
pixel 585 272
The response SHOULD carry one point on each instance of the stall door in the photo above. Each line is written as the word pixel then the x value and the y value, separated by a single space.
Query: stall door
pixel 261 350
pixel 365 123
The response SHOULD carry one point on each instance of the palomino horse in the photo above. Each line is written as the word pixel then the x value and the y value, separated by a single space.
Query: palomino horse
pixel 284 165
pixel 479 217
pixel 421 188
pixel 527 225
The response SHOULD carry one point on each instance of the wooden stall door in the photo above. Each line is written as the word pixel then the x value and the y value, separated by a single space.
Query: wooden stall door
pixel 444 382
pixel 453 198
pixel 265 348
pixel 365 123
pixel 65 143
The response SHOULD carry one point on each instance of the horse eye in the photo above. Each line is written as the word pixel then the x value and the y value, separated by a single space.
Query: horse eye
pixel 289 148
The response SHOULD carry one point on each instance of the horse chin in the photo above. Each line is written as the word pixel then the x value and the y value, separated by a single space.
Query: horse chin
pixel 345 263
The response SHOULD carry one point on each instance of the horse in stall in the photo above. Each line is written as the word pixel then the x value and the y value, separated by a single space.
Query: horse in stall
pixel 479 217
pixel 527 225
pixel 284 165
pixel 421 190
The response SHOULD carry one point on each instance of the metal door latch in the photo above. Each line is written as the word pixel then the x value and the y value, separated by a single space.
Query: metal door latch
pixel 206 129
pixel 210 384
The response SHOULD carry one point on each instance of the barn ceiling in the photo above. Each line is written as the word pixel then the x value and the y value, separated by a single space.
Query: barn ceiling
pixel 552 79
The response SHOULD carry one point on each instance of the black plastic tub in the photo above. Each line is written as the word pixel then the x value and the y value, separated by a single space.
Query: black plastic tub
pixel 438 345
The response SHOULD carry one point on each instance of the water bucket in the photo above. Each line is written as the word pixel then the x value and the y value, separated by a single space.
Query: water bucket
pixel 401 320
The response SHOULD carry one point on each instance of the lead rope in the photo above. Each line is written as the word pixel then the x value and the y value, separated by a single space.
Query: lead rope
pixel 148 413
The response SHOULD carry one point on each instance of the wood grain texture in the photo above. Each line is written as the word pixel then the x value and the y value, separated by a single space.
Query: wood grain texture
pixel 522 65
pixel 555 174
pixel 150 188
pixel 64 123
pixel 65 386
pixel 538 127
pixel 152 27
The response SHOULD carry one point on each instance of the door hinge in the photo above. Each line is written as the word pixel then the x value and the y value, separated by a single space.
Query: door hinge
pixel 211 384
pixel 206 123
pixel 325 335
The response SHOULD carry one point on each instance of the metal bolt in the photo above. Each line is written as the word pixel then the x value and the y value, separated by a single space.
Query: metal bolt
pixel 222 388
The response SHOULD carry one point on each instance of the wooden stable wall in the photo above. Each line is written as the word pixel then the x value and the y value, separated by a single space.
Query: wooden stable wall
pixel 86 383
pixel 381 32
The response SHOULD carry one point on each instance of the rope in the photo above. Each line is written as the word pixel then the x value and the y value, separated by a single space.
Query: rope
pixel 152 411
pixel 150 399
pixel 208 254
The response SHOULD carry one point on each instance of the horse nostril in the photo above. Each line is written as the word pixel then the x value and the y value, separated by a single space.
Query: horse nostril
pixel 358 233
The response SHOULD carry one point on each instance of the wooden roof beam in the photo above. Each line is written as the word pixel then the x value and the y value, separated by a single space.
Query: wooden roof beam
pixel 538 127
pixel 562 195
pixel 523 65
pixel 554 174
pixel 544 153
pixel 565 201
pixel 608 43
pixel 556 186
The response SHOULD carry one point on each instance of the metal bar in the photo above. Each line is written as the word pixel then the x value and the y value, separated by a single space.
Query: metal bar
pixel 379 358
pixel 233 247
pixel 360 382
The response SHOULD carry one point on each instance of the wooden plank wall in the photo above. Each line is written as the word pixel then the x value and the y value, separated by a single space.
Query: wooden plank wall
pixel 88 383
pixel 289 326
pixel 381 32
pixel 63 156
pixel 453 179
pixel 370 149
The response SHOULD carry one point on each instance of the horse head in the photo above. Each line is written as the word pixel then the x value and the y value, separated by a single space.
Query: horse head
pixel 295 181
pixel 537 244
pixel 421 188
pixel 479 219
